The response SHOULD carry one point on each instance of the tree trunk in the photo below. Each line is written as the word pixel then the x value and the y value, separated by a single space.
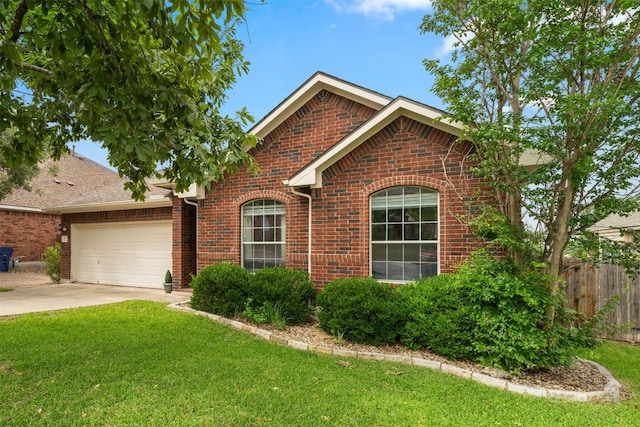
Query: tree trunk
pixel 557 246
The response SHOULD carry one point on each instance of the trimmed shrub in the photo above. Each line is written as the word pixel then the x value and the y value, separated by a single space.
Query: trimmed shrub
pixel 437 317
pixel 220 289
pixel 291 292
pixel 360 310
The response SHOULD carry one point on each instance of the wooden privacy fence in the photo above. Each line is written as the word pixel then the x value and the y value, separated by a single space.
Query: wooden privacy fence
pixel 588 290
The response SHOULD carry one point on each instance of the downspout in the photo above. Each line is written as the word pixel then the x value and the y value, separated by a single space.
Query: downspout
pixel 189 202
pixel 308 197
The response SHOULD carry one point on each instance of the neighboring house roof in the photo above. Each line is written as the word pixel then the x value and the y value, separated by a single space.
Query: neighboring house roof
pixel 114 197
pixel 59 181
pixel 611 224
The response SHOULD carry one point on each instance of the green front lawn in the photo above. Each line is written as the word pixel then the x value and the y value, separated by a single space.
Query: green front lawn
pixel 138 363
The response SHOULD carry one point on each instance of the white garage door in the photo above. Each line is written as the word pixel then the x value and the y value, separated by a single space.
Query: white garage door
pixel 126 254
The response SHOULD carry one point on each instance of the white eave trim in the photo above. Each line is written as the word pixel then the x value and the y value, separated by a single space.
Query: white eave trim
pixel 20 208
pixel 150 202
pixel 308 90
pixel 311 175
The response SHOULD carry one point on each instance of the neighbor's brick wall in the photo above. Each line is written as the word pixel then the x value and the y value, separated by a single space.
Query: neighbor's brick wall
pixel 28 233
pixel 404 153
pixel 148 214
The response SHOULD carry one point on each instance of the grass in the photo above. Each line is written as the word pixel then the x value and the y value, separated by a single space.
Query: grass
pixel 137 363
pixel 5 289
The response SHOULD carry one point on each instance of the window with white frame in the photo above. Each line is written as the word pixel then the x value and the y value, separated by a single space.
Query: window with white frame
pixel 263 234
pixel 404 233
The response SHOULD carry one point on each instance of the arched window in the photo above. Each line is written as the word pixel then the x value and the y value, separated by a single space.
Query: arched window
pixel 263 234
pixel 404 233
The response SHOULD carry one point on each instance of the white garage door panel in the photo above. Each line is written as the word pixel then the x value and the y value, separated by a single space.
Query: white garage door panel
pixel 127 254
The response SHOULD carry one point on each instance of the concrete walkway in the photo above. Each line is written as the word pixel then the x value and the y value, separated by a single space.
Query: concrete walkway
pixel 47 297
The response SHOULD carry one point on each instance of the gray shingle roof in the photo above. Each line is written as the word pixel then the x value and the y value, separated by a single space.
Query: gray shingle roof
pixel 113 193
pixel 60 181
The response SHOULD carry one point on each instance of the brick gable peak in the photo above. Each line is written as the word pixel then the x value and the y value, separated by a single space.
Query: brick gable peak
pixel 308 90
pixel 311 174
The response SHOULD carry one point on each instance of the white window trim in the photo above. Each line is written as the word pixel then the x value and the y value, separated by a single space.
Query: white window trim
pixel 437 242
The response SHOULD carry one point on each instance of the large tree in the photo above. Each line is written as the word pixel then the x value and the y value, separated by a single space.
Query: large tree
pixel 558 79
pixel 146 79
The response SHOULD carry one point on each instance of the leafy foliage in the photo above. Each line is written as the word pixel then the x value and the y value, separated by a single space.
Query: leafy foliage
pixel 560 82
pixel 146 79
pixel 268 313
pixel 360 310
pixel 220 288
pixel 52 262
pixel 16 176
pixel 281 289
pixel 490 313
pixel 437 318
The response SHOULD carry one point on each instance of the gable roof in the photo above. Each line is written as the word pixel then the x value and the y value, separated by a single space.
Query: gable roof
pixel 311 174
pixel 319 81
pixel 60 181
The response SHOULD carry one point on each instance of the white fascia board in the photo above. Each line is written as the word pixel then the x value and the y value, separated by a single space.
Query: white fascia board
pixel 151 202
pixel 311 175
pixel 194 190
pixel 20 208
pixel 532 159
pixel 308 90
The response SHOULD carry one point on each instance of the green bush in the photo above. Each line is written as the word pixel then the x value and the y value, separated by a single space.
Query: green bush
pixel 361 310
pixel 508 313
pixel 437 318
pixel 278 289
pixel 490 313
pixel 52 262
pixel 269 313
pixel 220 289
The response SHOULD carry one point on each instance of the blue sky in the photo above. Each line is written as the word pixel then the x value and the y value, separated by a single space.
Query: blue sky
pixel 372 43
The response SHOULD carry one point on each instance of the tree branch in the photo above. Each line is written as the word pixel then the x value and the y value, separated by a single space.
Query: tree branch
pixel 36 68
pixel 16 24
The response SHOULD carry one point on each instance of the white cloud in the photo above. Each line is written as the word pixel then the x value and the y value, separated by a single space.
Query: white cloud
pixel 382 9
pixel 447 45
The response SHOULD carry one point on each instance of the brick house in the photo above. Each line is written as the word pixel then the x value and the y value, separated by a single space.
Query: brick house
pixel 352 183
pixel 24 224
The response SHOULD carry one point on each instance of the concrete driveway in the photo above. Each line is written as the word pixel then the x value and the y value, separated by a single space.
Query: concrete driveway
pixel 35 294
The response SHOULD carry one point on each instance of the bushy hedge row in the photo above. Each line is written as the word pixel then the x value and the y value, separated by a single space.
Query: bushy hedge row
pixel 228 289
pixel 487 312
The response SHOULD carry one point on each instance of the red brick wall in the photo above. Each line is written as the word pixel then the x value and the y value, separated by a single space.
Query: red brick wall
pixel 149 214
pixel 184 242
pixel 404 153
pixel 311 130
pixel 28 233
